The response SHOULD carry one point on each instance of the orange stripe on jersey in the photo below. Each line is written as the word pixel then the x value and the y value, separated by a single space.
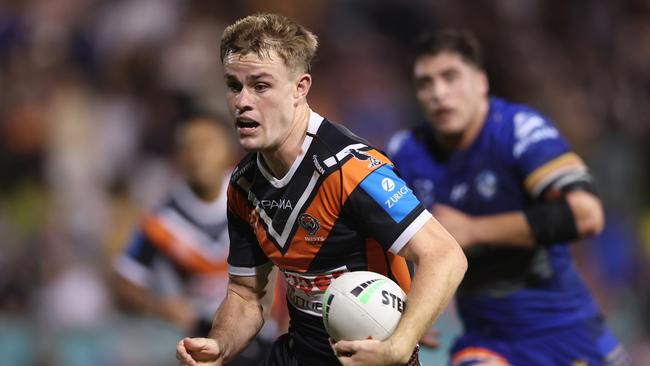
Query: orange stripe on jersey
pixel 237 203
pixel 379 261
pixel 182 253
pixel 481 354
pixel 400 271
pixel 324 206
pixel 547 172
pixel 356 170
pixel 301 252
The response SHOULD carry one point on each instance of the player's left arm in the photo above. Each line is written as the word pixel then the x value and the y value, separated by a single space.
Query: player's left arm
pixel 567 209
pixel 440 266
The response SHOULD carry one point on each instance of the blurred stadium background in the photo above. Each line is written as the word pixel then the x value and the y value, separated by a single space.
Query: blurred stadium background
pixel 91 90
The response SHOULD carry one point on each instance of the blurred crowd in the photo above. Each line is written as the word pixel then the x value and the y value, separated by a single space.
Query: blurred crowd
pixel 91 92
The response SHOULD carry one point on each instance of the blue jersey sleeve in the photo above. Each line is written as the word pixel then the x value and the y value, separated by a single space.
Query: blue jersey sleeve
pixel 536 142
pixel 141 249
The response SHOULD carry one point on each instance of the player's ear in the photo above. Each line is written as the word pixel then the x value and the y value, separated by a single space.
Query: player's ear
pixel 303 84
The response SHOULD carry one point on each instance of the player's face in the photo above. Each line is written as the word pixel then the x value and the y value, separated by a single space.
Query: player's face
pixel 450 91
pixel 262 97
pixel 204 154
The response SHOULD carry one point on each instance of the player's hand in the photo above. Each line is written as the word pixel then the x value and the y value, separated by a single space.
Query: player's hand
pixel 199 352
pixel 456 222
pixel 430 339
pixel 369 352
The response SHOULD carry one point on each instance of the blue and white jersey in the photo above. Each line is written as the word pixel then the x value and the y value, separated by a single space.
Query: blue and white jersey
pixel 180 249
pixel 516 157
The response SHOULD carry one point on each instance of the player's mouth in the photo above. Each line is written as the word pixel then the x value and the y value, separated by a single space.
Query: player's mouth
pixel 245 125
pixel 443 114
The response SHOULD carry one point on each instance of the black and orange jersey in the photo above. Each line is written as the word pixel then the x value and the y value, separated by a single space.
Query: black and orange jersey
pixel 341 207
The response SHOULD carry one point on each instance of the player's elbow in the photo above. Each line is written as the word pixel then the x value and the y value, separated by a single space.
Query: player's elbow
pixel 588 212
pixel 455 260
pixel 460 260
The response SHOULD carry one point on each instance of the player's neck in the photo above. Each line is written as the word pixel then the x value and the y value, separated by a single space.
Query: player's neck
pixel 279 160
pixel 468 136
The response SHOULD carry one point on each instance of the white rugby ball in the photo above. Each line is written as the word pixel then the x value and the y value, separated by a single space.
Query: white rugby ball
pixel 362 305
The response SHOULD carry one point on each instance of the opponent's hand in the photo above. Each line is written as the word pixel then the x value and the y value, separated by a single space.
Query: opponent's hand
pixel 456 222
pixel 369 352
pixel 199 352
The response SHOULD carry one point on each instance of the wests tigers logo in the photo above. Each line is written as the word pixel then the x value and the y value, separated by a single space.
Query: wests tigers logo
pixel 309 223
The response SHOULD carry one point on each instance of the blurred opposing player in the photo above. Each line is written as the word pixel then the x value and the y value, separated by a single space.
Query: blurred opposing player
pixel 175 267
pixel 507 186
pixel 315 201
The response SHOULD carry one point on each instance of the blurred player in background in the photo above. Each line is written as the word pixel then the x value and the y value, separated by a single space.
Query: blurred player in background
pixel 508 187
pixel 175 267
pixel 315 201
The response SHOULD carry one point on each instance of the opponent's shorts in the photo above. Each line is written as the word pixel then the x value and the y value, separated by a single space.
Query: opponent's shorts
pixel 283 354
pixel 586 344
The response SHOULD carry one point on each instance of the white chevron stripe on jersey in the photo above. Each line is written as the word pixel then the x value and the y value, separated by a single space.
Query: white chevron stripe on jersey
pixel 341 154
pixel 282 239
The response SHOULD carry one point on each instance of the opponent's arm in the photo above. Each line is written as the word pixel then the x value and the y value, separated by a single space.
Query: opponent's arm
pixel 236 322
pixel 440 266
pixel 175 309
pixel 576 213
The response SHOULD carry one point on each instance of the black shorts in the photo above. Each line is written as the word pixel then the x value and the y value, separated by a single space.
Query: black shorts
pixel 283 355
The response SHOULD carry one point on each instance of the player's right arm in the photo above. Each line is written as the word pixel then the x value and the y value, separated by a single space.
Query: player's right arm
pixel 236 322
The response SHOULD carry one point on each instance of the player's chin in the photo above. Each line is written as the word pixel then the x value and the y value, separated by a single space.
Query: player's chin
pixel 449 129
pixel 250 144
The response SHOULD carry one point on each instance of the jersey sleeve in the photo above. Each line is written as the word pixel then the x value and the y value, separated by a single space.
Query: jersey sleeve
pixel 540 152
pixel 387 209
pixel 245 256
pixel 136 260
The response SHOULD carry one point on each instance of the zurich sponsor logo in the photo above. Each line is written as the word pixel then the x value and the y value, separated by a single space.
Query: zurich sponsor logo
pixel 486 184
pixel 390 192
pixel 387 184
pixel 392 200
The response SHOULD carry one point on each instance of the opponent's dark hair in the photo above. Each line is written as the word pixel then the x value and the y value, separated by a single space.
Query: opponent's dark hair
pixel 460 41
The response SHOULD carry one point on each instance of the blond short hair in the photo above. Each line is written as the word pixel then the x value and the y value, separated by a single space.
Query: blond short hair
pixel 262 33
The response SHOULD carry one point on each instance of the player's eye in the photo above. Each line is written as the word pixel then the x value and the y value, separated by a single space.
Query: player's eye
pixel 422 83
pixel 233 86
pixel 450 75
pixel 261 87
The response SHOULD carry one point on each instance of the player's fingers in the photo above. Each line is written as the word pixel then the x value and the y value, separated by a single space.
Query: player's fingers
pixel 195 344
pixel 182 355
pixel 345 348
